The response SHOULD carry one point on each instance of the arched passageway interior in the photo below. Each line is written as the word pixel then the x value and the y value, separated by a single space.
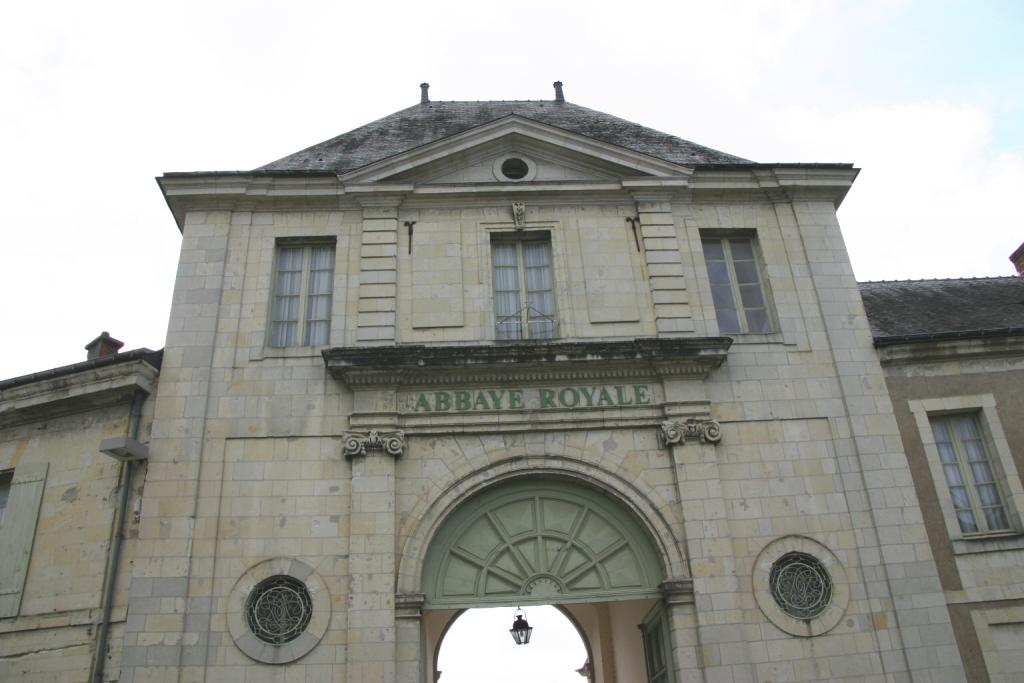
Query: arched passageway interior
pixel 477 647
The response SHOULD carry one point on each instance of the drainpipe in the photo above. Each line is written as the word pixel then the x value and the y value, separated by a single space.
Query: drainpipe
pixel 114 560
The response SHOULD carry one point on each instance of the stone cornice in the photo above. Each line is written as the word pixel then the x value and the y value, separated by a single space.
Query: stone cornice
pixel 87 389
pixel 910 351
pixel 241 191
pixel 418 365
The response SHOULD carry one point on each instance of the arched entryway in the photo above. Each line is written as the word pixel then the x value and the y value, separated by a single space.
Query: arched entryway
pixel 533 541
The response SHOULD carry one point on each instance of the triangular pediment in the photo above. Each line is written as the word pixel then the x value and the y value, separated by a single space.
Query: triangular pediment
pixel 549 154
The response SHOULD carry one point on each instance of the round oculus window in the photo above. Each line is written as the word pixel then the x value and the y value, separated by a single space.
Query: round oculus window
pixel 800 585
pixel 515 168
pixel 278 609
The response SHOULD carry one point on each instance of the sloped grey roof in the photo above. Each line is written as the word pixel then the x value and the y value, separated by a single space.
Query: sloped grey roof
pixel 944 308
pixel 424 123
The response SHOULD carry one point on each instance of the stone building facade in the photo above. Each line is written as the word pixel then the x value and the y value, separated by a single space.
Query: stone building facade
pixel 501 354
pixel 953 356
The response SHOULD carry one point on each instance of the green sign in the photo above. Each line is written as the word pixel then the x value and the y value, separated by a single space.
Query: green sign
pixel 542 398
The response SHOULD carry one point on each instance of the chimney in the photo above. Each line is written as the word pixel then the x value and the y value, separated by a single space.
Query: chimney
pixel 559 97
pixel 424 97
pixel 1017 258
pixel 103 345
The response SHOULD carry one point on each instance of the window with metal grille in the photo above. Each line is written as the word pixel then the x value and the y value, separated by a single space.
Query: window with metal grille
pixel 736 285
pixel 970 475
pixel 278 609
pixel 524 298
pixel 301 302
pixel 800 585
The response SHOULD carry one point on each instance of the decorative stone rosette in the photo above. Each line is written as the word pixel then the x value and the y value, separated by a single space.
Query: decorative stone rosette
pixel 677 432
pixel 361 443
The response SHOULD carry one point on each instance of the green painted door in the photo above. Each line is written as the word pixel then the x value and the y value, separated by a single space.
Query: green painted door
pixel 540 541
pixel 657 646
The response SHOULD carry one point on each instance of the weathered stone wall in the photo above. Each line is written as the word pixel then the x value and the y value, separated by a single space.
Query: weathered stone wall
pixel 53 636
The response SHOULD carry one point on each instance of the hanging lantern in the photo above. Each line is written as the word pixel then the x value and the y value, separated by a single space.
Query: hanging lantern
pixel 521 629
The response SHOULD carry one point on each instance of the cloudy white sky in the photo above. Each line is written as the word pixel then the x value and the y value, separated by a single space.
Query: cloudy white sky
pixel 96 99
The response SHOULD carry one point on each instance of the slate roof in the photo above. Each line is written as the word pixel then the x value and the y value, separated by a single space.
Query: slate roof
pixel 428 122
pixel 906 310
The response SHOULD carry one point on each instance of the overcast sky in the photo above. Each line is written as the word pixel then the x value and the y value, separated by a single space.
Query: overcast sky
pixel 98 98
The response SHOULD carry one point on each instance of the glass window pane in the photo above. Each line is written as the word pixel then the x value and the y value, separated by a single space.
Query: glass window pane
pixel 317 332
pixel 727 321
pixel 538 278
pixel 540 304
pixel 751 296
pixel 966 428
pixel 320 282
pixel 713 250
pixel 322 258
pixel 289 259
pixel 996 519
pixel 283 334
pixel 953 475
pixel 318 308
pixel 721 295
pixel 503 254
pixel 718 273
pixel 982 473
pixel 946 452
pixel 960 498
pixel 940 429
pixel 988 494
pixel 506 303
pixel 746 272
pixel 535 254
pixel 288 283
pixel 974 451
pixel 967 523
pixel 742 250
pixel 757 321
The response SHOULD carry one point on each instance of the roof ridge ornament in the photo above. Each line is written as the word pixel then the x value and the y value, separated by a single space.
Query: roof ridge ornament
pixel 559 97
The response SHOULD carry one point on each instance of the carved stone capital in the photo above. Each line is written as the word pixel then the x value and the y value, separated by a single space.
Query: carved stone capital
pixel 360 443
pixel 677 432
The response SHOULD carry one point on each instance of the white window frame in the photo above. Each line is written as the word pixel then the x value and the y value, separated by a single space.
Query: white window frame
pixel 734 286
pixel 524 322
pixel 307 247
pixel 997 448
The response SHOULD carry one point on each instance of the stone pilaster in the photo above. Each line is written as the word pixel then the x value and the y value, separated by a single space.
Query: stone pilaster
pixel 378 270
pixel 672 315
pixel 678 599
pixel 408 636
pixel 372 628
pixel 717 607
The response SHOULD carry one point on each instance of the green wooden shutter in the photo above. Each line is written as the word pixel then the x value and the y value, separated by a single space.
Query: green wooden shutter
pixel 18 533
pixel 657 646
